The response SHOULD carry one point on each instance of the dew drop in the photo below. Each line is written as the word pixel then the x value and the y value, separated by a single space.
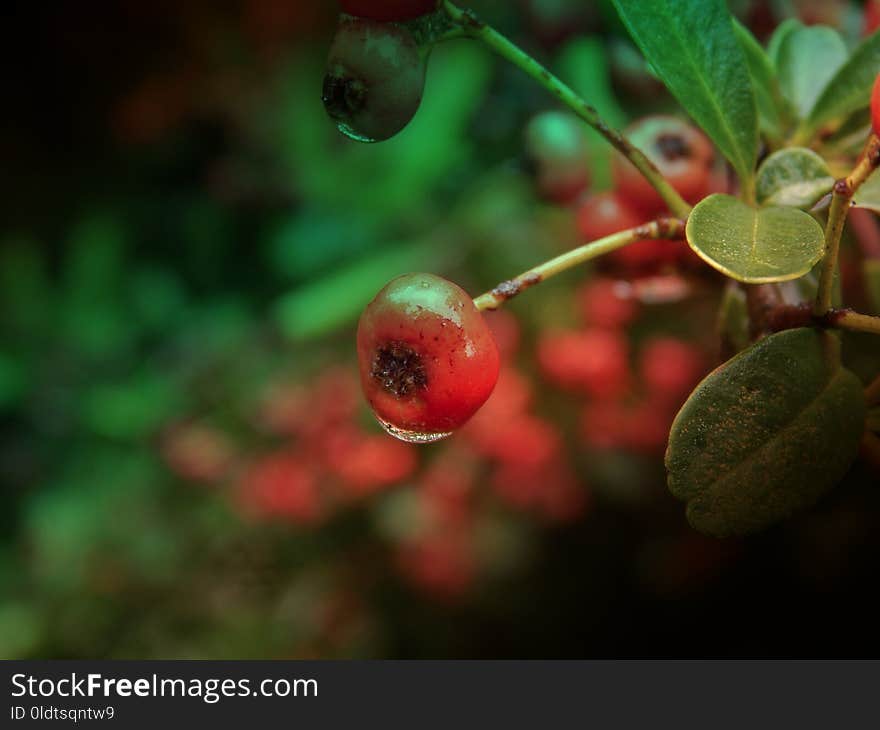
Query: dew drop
pixel 351 134
pixel 413 437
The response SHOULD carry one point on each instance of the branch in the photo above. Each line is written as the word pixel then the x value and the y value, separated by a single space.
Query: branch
pixel 844 189
pixel 671 228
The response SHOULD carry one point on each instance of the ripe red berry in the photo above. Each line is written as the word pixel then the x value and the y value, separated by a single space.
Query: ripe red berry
pixel 601 215
pixel 373 462
pixel 871 17
pixel 607 303
pixel 375 78
pixel 556 151
pixel 670 368
pixel 680 151
pixel 875 106
pixel 427 358
pixel 388 10
pixel 594 361
pixel 281 486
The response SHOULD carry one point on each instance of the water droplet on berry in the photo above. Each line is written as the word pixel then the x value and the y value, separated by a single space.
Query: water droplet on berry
pixel 413 437
pixel 352 134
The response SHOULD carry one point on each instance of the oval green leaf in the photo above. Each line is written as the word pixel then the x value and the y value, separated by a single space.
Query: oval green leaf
pixel 850 89
pixel 754 245
pixel 868 194
pixel 796 177
pixel 692 47
pixel 808 58
pixel 765 434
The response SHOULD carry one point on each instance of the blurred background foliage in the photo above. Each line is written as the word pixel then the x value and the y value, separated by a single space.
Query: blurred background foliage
pixel 188 469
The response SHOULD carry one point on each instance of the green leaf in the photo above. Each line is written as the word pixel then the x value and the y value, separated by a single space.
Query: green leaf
pixel 754 245
pixel 733 319
pixel 808 58
pixel 794 176
pixel 692 46
pixel 850 89
pixel 336 299
pixel 765 434
pixel 767 92
pixel 868 194
pixel 783 30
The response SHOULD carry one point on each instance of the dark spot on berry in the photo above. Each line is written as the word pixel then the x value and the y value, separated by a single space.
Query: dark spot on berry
pixel 399 369
pixel 673 147
pixel 343 96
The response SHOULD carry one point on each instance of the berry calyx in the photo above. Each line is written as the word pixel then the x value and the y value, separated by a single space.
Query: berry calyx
pixel 374 81
pixel 680 151
pixel 388 10
pixel 427 358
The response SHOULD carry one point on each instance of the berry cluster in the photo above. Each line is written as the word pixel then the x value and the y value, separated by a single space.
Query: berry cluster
pixel 317 461
pixel 556 150
pixel 376 69
pixel 623 408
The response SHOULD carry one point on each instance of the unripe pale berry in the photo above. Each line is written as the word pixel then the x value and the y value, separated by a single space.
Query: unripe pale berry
pixel 680 151
pixel 557 154
pixel 427 357
pixel 388 10
pixel 375 79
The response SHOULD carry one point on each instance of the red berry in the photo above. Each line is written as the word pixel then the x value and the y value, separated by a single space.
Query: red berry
pixel 871 17
pixel 524 441
pixel 601 215
pixel 670 368
pixel 510 399
pixel 388 10
pixel 557 154
pixel 506 331
pixel 375 78
pixel 680 151
pixel 607 303
pixel 370 463
pixel 605 425
pixel 281 486
pixel 875 106
pixel 427 358
pixel 594 361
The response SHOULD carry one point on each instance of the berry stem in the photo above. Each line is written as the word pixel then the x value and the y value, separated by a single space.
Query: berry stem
pixel 477 29
pixel 661 228
pixel 844 189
